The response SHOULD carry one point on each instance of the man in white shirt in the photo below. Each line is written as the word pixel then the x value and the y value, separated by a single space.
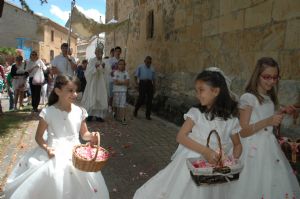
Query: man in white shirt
pixel 64 64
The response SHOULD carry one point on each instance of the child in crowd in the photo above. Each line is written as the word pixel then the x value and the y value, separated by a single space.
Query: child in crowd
pixel 121 82
pixel 217 110
pixel 267 173
pixel 47 171
pixel 113 64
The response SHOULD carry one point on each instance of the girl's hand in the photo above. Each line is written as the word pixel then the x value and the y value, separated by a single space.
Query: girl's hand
pixel 50 152
pixel 212 157
pixel 94 138
pixel 275 120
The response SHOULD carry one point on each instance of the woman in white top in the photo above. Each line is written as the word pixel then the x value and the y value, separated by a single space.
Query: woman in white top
pixel 34 64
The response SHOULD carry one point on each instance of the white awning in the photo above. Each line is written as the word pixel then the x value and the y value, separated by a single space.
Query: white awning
pixel 87 27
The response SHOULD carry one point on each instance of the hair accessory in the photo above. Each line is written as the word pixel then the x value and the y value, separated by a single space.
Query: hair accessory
pixel 227 79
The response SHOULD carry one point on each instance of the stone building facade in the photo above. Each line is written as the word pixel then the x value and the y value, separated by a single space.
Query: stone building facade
pixel 41 34
pixel 184 37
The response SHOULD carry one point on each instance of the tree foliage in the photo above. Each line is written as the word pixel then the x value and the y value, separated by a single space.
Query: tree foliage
pixel 27 8
pixel 7 51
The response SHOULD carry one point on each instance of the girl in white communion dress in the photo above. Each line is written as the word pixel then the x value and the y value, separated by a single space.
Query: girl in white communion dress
pixel 47 171
pixel 217 111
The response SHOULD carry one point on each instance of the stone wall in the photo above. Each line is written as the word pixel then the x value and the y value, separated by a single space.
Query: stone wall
pixel 192 35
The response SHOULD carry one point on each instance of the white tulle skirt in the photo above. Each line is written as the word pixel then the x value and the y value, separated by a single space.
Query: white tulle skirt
pixel 36 176
pixel 175 182
pixel 267 173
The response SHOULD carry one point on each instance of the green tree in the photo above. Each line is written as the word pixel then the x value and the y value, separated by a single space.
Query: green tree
pixel 26 7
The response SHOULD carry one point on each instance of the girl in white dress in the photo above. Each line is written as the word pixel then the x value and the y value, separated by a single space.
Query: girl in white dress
pixel 267 173
pixel 47 171
pixel 216 111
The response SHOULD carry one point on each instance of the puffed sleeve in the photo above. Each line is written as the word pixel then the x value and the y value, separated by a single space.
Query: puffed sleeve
pixel 84 114
pixel 247 99
pixel 193 114
pixel 43 114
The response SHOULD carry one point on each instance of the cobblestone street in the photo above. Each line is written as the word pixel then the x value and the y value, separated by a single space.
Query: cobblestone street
pixel 138 150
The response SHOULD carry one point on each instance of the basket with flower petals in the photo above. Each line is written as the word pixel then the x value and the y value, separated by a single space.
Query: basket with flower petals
pixel 89 158
pixel 204 173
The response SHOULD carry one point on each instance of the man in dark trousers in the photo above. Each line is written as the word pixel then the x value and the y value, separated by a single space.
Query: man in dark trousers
pixel 145 80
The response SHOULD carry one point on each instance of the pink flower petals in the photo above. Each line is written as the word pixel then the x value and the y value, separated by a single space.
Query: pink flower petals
pixel 88 153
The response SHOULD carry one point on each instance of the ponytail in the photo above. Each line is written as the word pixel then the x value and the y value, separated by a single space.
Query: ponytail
pixel 53 98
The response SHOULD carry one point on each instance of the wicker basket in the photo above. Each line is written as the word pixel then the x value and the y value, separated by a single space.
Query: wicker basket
pixel 214 175
pixel 291 149
pixel 92 165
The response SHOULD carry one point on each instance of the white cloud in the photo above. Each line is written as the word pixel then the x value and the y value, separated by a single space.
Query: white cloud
pixel 92 13
pixel 64 15
pixel 39 13
pixel 56 11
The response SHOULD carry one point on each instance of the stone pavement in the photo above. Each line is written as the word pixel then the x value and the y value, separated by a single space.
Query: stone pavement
pixel 138 150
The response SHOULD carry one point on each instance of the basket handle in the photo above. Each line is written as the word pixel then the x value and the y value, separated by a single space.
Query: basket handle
pixel 277 131
pixel 219 143
pixel 98 144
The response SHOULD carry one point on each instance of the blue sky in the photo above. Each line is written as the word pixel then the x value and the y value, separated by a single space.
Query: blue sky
pixel 58 10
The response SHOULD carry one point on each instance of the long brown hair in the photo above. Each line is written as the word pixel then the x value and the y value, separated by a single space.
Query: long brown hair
pixel 261 65
pixel 61 81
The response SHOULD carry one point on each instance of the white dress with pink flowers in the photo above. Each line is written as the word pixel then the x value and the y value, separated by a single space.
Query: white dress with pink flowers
pixel 36 176
pixel 267 173
pixel 174 181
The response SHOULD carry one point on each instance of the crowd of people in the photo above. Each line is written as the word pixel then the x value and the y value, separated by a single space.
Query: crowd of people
pixel 26 79
pixel 245 128
pixel 103 82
